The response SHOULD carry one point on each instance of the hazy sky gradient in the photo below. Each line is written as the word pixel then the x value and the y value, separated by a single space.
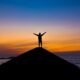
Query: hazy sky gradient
pixel 20 18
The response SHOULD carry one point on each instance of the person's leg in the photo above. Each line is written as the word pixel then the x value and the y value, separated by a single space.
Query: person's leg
pixel 39 43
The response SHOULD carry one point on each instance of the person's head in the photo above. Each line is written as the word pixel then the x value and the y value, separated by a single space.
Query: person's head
pixel 39 33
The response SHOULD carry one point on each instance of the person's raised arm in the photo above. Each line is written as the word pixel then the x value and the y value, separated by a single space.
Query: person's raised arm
pixel 35 34
pixel 43 33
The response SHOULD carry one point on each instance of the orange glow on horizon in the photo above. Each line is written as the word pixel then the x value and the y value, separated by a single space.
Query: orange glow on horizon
pixel 55 46
pixel 55 40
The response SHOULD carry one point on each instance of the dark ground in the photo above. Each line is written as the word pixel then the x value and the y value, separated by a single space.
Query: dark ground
pixel 40 62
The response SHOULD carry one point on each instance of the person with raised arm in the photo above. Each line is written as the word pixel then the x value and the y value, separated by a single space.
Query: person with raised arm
pixel 39 38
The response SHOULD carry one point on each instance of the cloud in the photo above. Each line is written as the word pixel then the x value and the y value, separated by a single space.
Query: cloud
pixel 6 51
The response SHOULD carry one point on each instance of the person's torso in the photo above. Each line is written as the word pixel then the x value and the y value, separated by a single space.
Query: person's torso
pixel 40 37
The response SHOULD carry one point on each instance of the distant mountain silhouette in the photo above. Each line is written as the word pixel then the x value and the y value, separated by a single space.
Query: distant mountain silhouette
pixel 41 60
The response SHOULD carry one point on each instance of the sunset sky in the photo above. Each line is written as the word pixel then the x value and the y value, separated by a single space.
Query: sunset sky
pixel 19 19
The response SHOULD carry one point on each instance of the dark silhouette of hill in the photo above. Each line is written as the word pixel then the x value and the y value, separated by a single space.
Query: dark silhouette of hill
pixel 39 60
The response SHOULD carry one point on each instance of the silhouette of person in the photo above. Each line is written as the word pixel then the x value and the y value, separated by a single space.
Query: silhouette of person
pixel 39 38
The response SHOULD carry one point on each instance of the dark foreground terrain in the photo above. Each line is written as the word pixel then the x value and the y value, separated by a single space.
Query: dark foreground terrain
pixel 40 62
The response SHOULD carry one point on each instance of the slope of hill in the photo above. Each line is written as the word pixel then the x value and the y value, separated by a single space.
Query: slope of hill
pixel 39 60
